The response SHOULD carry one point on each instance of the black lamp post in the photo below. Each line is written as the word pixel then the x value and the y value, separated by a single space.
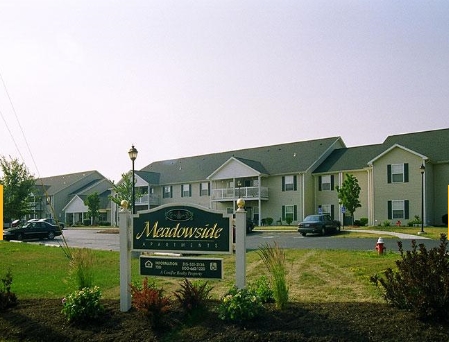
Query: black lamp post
pixel 422 169
pixel 133 155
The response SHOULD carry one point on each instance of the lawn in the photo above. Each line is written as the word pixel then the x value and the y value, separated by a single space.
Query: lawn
pixel 330 299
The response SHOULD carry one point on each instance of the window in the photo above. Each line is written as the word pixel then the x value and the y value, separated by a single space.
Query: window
pixel 326 209
pixel 398 209
pixel 168 192
pixel 289 183
pixel 204 189
pixel 397 173
pixel 185 190
pixel 289 212
pixel 326 183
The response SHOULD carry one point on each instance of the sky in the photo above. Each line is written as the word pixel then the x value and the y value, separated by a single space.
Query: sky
pixel 84 80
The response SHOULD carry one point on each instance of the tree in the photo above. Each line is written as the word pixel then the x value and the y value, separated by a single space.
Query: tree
pixel 124 191
pixel 93 205
pixel 348 194
pixel 18 184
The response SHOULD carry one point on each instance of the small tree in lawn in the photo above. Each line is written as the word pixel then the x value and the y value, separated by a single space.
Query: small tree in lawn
pixel 124 190
pixel 348 194
pixel 93 205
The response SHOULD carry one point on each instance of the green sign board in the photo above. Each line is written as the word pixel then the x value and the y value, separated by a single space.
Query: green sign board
pixel 210 268
pixel 182 229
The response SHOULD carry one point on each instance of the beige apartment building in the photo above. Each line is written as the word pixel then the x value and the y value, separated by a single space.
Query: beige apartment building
pixel 296 179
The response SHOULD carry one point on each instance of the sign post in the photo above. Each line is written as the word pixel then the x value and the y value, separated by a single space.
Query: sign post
pixel 240 245
pixel 125 257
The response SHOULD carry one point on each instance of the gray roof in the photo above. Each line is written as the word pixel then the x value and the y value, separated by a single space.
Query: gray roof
pixel 55 184
pixel 352 158
pixel 276 159
pixel 433 144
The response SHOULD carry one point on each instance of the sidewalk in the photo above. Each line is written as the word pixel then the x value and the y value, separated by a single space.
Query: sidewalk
pixel 399 235
pixel 377 232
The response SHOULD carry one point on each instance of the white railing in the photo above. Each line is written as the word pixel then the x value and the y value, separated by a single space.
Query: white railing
pixel 244 192
pixel 148 199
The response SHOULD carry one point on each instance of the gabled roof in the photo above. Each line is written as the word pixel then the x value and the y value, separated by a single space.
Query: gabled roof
pixel 55 184
pixel 430 144
pixel 433 144
pixel 276 159
pixel 392 148
pixel 353 158
pixel 149 177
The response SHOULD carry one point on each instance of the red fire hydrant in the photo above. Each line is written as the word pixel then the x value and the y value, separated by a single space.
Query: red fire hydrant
pixel 380 247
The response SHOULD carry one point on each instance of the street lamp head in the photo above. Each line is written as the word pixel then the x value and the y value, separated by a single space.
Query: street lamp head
pixel 132 153
pixel 422 168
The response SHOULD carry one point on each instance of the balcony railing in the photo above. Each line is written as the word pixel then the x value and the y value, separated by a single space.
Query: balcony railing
pixel 234 193
pixel 148 199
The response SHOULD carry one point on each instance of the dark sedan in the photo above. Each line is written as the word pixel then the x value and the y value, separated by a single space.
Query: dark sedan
pixel 318 224
pixel 32 230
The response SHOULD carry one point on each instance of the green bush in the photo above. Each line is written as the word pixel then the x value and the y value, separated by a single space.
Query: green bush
pixel 7 298
pixel 387 223
pixel 363 221
pixel 193 296
pixel 421 283
pixel 269 221
pixel 83 305
pixel 150 301
pixel 239 305
pixel 261 287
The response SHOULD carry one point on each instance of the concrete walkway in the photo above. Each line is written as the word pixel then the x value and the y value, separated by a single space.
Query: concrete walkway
pixel 376 232
pixel 380 233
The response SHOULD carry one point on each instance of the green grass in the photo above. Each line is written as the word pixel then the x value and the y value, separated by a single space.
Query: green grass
pixel 313 275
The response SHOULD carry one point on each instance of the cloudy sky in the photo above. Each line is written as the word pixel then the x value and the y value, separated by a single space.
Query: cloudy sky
pixel 83 80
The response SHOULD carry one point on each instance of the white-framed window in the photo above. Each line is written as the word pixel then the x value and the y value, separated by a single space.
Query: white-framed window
pixel 326 182
pixel 204 189
pixel 167 192
pixel 397 173
pixel 326 209
pixel 398 209
pixel 289 183
pixel 289 212
pixel 185 190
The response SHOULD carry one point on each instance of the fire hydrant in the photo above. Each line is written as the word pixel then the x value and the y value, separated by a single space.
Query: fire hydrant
pixel 380 247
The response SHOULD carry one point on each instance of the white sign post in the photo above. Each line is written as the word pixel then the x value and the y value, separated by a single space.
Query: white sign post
pixel 240 245
pixel 125 257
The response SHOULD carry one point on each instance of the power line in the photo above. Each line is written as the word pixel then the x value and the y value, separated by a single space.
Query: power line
pixel 20 126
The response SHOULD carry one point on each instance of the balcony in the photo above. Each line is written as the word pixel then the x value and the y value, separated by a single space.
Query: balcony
pixel 250 193
pixel 148 199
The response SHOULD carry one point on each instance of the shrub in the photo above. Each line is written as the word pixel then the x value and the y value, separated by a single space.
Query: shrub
pixel 269 221
pixel 289 220
pixel 357 223
pixel 363 221
pixel 239 305
pixel 421 283
pixel 387 223
pixel 193 296
pixel 274 260
pixel 83 305
pixel 7 298
pixel 261 287
pixel 150 301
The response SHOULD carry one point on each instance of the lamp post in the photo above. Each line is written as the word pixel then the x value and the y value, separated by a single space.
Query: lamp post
pixel 422 169
pixel 133 155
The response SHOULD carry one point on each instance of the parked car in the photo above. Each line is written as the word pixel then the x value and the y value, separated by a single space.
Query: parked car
pixel 33 229
pixel 54 222
pixel 319 224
